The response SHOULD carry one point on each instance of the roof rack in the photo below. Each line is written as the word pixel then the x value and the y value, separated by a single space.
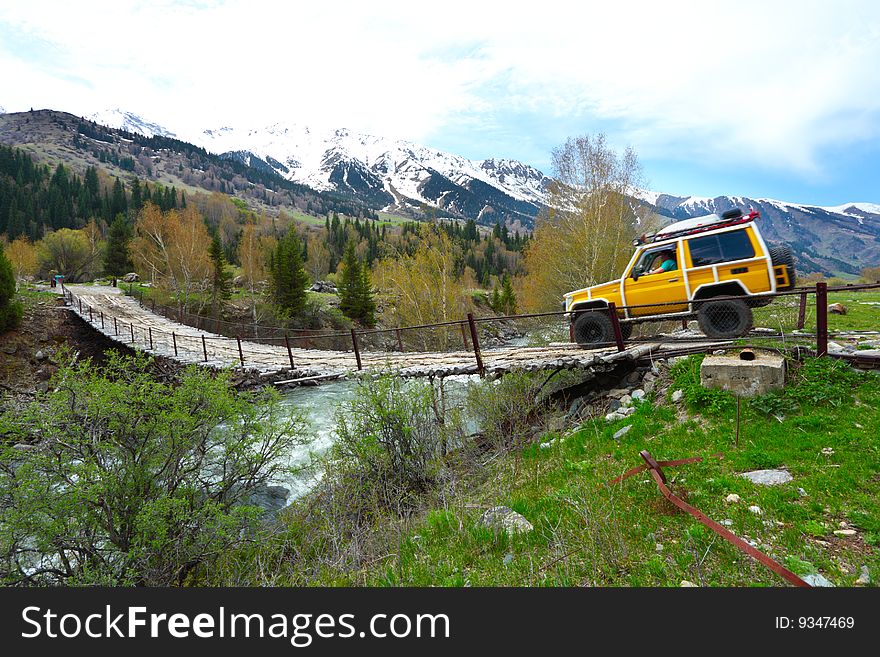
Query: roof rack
pixel 722 222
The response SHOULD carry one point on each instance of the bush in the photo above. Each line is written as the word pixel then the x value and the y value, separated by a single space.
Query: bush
pixel 505 410
pixel 389 438
pixel 127 481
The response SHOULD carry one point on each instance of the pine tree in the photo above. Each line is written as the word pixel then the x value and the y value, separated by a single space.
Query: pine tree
pixel 355 289
pixel 289 278
pixel 10 310
pixel 508 298
pixel 221 278
pixel 117 260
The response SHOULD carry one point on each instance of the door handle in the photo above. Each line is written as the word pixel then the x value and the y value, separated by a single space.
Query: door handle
pixel 672 280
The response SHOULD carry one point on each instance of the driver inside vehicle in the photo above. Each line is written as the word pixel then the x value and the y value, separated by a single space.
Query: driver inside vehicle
pixel 665 261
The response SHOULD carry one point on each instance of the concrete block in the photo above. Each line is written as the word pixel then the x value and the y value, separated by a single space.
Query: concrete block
pixel 746 378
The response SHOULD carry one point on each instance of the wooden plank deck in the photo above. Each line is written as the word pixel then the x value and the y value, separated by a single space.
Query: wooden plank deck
pixel 123 316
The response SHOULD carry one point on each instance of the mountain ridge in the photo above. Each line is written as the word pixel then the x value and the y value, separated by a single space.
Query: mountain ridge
pixel 403 177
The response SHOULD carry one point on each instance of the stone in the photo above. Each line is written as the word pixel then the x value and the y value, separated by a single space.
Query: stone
pixel 10 349
pixel 130 277
pixel 611 417
pixel 617 393
pixel 626 400
pixel 845 532
pixel 865 578
pixel 626 412
pixel 42 386
pixel 767 477
pixel 746 378
pixel 727 522
pixel 45 373
pixel 40 355
pixel 685 584
pixel 269 498
pixel 633 378
pixel 837 309
pixel 817 580
pixel 802 492
pixel 502 518
pixel 756 510
pixel 613 405
pixel 677 396
pixel 620 433
pixel 638 395
pixel 659 547
pixel 733 498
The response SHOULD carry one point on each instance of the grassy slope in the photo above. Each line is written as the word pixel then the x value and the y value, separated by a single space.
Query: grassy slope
pixel 587 532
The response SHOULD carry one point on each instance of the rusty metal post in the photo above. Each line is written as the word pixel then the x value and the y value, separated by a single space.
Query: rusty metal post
pixel 174 342
pixel 476 342
pixel 357 351
pixel 240 352
pixel 115 327
pixel 289 352
pixel 399 339
pixel 821 319
pixel 150 333
pixel 131 326
pixel 91 319
pixel 80 306
pixel 102 319
pixel 615 324
pixel 204 347
pixel 802 311
pixel 467 347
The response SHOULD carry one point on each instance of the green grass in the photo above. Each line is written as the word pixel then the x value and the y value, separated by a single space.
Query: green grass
pixel 590 533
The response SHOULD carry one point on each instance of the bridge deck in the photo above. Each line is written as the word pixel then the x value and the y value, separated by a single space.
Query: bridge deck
pixel 223 351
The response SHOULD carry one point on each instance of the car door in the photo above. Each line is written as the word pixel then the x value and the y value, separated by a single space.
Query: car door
pixel 664 288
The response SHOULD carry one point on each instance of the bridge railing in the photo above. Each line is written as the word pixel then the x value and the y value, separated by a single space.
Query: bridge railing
pixel 842 321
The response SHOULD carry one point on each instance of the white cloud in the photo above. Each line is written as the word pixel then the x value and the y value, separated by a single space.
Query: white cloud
pixel 771 82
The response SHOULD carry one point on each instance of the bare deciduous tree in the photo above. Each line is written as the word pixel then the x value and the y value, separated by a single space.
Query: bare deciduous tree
pixel 584 238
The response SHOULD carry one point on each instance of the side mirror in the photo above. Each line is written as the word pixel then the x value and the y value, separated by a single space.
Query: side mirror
pixel 635 274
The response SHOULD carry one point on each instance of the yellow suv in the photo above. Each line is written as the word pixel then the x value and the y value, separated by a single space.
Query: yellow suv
pixel 678 272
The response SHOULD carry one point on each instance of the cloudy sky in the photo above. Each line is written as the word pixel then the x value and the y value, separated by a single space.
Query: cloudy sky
pixel 772 98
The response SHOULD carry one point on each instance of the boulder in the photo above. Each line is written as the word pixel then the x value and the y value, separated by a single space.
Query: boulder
pixel 131 277
pixel 768 477
pixel 837 309
pixel 620 433
pixel 502 518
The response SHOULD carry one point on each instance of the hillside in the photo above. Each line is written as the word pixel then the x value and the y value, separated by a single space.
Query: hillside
pixel 59 137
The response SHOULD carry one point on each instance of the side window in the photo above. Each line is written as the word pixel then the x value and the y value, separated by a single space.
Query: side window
pixel 712 249
pixel 651 260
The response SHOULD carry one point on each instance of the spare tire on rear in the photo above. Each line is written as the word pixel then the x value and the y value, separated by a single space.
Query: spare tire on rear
pixel 593 328
pixel 781 255
pixel 724 318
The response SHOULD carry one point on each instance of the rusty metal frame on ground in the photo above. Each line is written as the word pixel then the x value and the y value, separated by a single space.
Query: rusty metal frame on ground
pixel 656 469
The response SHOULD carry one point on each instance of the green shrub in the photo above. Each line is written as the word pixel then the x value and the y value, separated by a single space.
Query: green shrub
pixel 131 481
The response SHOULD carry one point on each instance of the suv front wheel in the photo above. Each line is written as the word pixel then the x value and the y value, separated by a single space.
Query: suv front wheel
pixel 724 318
pixel 593 328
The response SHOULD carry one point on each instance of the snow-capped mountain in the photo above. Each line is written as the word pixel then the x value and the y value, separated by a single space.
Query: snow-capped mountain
pixel 117 118
pixel 389 174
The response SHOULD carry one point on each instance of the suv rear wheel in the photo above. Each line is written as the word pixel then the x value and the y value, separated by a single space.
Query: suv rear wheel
pixel 725 318
pixel 593 328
